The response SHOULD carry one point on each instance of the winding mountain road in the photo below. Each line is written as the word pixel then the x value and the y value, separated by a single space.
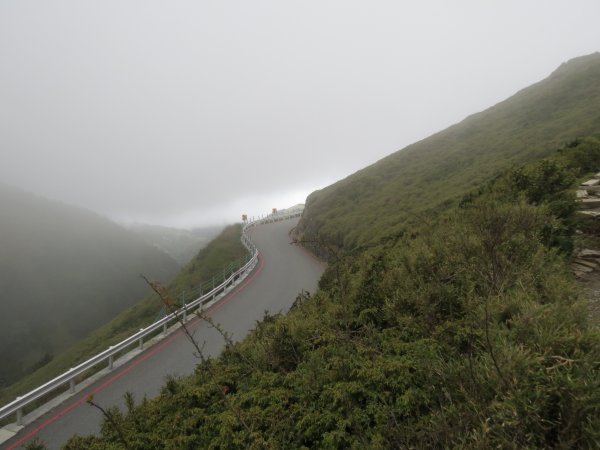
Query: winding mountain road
pixel 282 272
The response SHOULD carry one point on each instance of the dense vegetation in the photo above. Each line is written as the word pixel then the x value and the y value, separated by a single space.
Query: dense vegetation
pixel 223 251
pixel 403 189
pixel 467 332
pixel 64 271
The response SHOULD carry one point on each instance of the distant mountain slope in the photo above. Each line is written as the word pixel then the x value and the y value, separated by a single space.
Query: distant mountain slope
pixel 182 245
pixel 410 184
pixel 63 272
pixel 224 251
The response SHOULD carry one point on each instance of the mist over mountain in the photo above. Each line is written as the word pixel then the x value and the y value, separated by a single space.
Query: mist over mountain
pixel 63 272
pixel 181 244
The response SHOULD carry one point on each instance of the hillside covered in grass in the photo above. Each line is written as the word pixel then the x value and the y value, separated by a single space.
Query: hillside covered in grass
pixel 225 251
pixel 462 328
pixel 408 186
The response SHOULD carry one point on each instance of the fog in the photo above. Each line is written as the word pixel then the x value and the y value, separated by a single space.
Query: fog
pixel 190 113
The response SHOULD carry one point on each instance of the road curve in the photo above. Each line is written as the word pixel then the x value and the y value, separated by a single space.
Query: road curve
pixel 283 271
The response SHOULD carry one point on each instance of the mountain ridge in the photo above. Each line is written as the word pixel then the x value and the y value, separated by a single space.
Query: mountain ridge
pixel 527 125
pixel 181 244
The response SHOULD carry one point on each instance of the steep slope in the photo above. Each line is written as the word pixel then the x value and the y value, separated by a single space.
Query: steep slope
pixel 63 272
pixel 410 184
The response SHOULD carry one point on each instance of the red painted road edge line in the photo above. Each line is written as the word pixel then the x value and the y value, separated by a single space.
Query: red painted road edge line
pixel 155 349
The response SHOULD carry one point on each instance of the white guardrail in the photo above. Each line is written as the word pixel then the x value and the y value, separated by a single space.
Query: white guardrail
pixel 18 405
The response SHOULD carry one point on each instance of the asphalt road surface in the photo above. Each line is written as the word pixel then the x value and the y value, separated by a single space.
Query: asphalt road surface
pixel 283 271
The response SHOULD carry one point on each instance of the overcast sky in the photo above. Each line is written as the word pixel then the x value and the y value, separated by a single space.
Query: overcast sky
pixel 193 112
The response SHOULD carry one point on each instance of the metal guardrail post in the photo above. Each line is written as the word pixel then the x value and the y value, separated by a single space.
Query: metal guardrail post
pixel 140 344
pixel 110 362
pixel 20 417
pixel 164 329
pixel 72 386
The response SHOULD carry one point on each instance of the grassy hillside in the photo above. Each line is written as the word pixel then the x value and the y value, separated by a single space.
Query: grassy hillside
pixel 64 271
pixel 468 333
pixel 221 252
pixel 410 185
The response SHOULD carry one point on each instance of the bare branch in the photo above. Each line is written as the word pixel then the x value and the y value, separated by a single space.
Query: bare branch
pixel 167 300
pixel 110 419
